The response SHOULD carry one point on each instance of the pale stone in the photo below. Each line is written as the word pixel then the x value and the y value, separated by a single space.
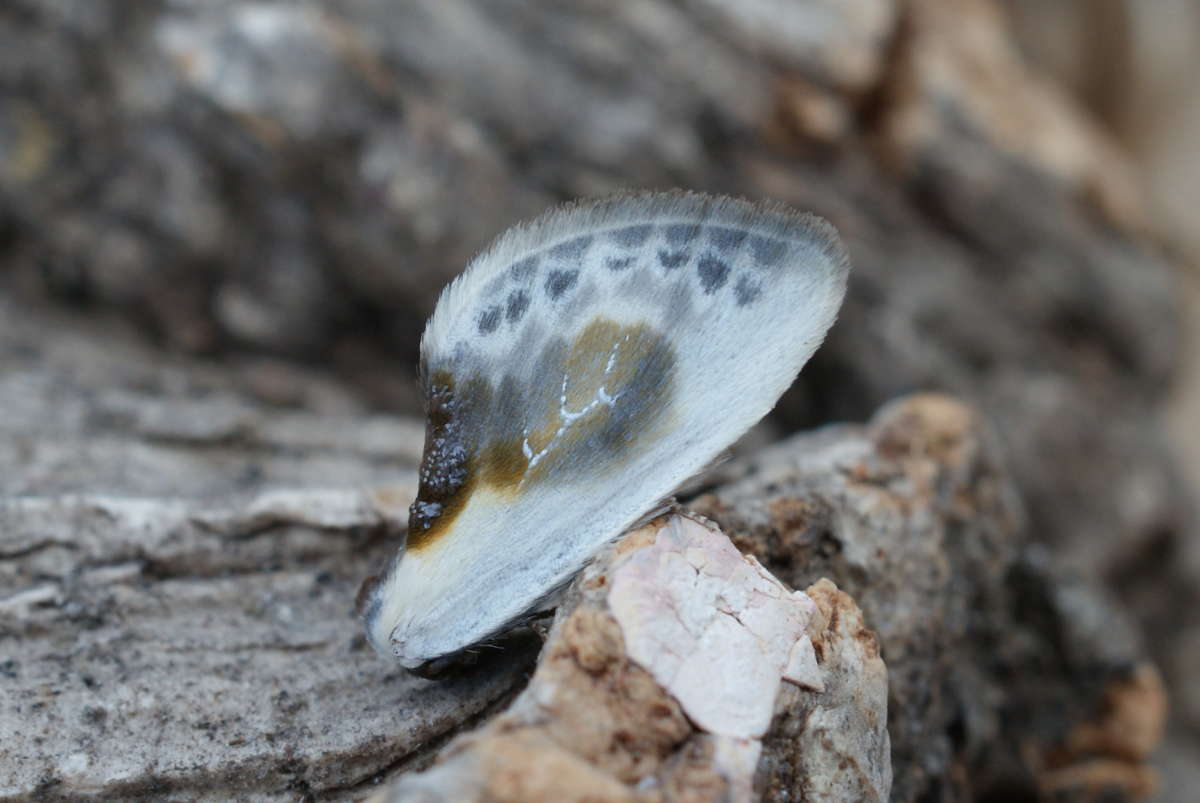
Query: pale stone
pixel 700 616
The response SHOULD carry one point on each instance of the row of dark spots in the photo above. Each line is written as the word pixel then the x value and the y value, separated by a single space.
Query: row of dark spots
pixel 712 269
pixel 746 291
pixel 572 249
pixel 678 234
pixel 713 273
pixel 516 305
pixel 672 259
pixel 519 272
pixel 524 269
pixel 518 301
pixel 632 236
pixel 726 240
pixel 628 237
pixel 489 319
pixel 559 282
pixel 512 310
pixel 768 252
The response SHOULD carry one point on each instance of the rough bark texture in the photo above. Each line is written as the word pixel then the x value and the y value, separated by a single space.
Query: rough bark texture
pixel 287 185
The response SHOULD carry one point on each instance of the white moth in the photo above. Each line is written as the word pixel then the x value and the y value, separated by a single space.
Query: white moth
pixel 578 372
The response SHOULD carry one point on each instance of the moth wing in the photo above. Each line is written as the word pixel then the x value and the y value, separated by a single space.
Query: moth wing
pixel 578 371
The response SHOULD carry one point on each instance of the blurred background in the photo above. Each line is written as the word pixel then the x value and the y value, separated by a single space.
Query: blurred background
pixel 281 189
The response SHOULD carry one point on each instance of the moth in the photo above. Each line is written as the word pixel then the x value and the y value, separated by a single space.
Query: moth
pixel 577 372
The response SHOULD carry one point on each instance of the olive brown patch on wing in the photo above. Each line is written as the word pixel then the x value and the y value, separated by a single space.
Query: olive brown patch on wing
pixel 615 386
pixel 585 405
